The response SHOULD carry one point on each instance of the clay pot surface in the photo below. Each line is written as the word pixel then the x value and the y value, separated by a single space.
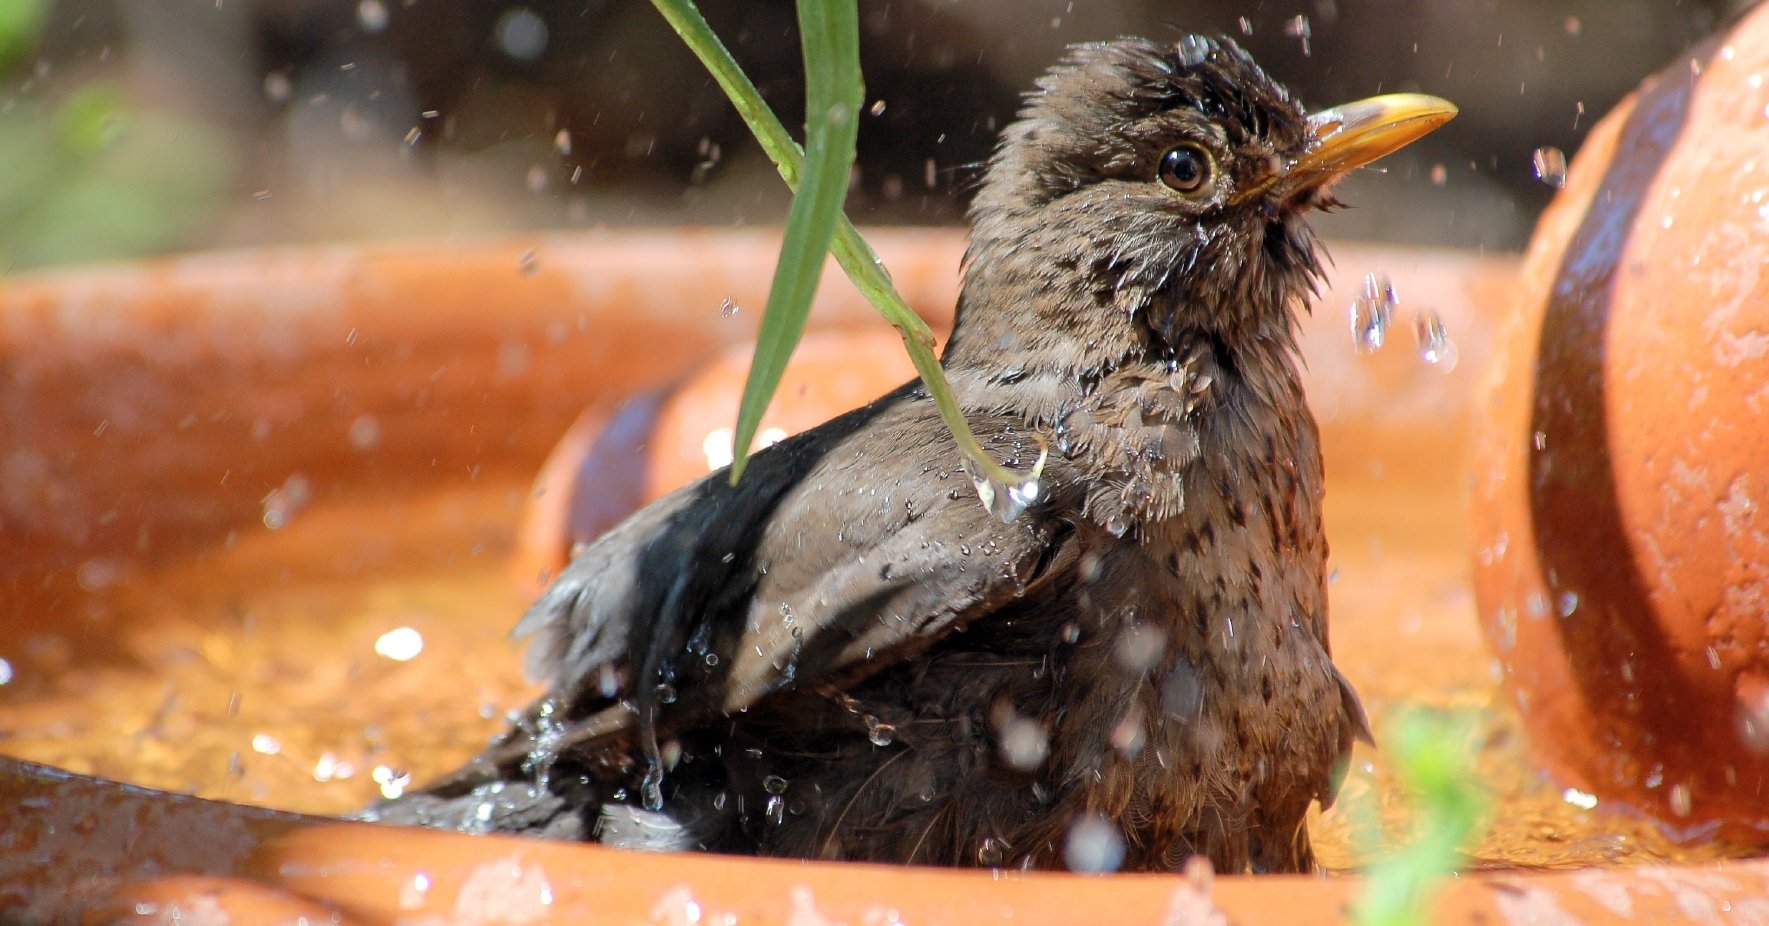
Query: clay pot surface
pixel 1623 461
pixel 471 360
pixel 101 852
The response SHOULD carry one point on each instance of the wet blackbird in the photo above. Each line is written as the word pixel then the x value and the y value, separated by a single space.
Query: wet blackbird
pixel 847 656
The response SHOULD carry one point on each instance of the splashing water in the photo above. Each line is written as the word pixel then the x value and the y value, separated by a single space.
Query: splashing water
pixel 1371 314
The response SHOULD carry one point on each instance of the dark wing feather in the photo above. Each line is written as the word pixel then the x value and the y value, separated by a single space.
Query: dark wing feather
pixel 834 557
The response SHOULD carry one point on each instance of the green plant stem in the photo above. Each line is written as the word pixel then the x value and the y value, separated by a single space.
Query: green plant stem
pixel 855 256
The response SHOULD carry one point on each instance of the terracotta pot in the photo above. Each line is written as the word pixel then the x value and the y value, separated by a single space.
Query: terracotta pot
pixel 152 409
pixel 1623 564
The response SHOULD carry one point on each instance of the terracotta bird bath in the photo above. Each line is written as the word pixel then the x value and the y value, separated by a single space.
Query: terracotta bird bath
pixel 260 516
pixel 266 518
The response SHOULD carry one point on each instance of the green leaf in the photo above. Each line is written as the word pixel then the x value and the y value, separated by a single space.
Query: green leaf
pixel 830 36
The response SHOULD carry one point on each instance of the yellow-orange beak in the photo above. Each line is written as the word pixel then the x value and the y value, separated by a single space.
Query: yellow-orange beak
pixel 1355 134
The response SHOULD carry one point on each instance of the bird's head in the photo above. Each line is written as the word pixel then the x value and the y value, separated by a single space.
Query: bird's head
pixel 1168 184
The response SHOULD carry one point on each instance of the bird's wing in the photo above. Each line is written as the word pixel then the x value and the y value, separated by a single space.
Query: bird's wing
pixel 843 550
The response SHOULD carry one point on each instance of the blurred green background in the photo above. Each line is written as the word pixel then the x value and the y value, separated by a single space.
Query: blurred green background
pixel 140 126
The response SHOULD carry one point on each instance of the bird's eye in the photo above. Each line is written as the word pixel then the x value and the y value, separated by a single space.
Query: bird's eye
pixel 1186 169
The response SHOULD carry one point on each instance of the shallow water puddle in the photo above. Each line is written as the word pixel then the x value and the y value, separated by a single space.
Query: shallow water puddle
pixel 252 674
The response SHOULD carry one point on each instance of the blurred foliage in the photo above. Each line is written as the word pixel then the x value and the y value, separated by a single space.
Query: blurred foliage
pixel 97 177
pixel 21 25
pixel 1433 756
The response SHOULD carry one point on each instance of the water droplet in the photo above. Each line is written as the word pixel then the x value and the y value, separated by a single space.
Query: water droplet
pixel 729 307
pixel 1246 25
pixel 1024 744
pixel 1682 800
pixel 1567 603
pixel 1194 50
pixel 677 907
pixel 1139 647
pixel 1579 799
pixel 1550 163
pixel 878 108
pixel 651 789
pixel 666 693
pixel 529 263
pixel 774 784
pixel 521 34
pixel 1007 503
pixel 1371 314
pixel 1297 27
pixel 1435 346
pixel 1094 845
pixel 278 87
pixel 1753 718
pixel 365 432
pixel 401 644
pixel 879 732
pixel 285 501
pixel 1116 525
pixel 1128 734
pixel 372 16
pixel 331 768
pixel 991 852
pixel 717 446
pixel 392 780
pixel 265 744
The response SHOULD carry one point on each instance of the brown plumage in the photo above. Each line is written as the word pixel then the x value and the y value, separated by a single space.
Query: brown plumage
pixel 847 656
